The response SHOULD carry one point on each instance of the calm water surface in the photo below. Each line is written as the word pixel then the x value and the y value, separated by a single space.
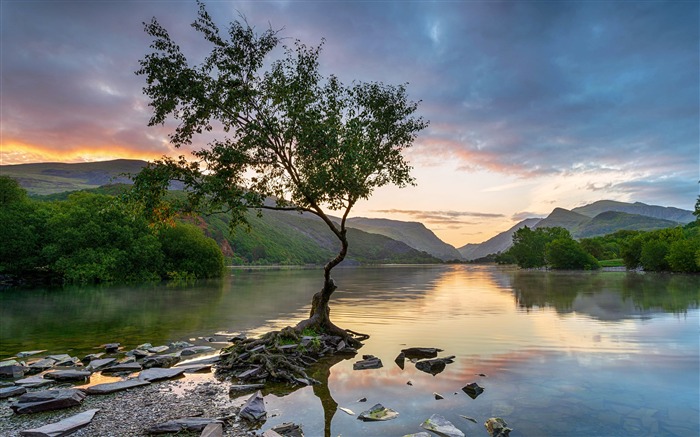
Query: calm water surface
pixel 581 354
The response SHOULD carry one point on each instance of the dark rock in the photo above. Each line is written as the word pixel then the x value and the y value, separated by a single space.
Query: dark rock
pixel 160 361
pixel 46 400
pixel 41 365
pixel 159 374
pixel 249 373
pixel 471 419
pixel 195 368
pixel 64 427
pixel 369 362
pixel 421 352
pixel 139 353
pixel 400 360
pixel 125 368
pixel 33 381
pixel 288 430
pixel 29 353
pixel 7 392
pixel 68 375
pixel 192 424
pixel 213 430
pixel 434 366
pixel 237 338
pixel 409 383
pixel 254 408
pixel 438 396
pixel 196 350
pixel 12 369
pixel 112 347
pixel 88 358
pixel 472 390
pixel 100 363
pixel 111 387
pixel 441 426
pixel 362 400
pixel 237 390
pixel 378 413
pixel 497 427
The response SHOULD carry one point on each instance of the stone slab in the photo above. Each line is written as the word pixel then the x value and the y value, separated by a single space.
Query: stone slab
pixel 47 400
pixel 111 387
pixel 64 427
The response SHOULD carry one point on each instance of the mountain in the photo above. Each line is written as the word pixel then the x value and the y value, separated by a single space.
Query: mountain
pixel 499 243
pixel 588 221
pixel 55 177
pixel 414 234
pixel 660 212
pixel 564 218
pixel 610 221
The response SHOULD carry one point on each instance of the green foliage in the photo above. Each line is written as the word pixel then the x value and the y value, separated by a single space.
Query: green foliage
pixel 188 251
pixel 565 253
pixel 684 255
pixel 529 245
pixel 287 133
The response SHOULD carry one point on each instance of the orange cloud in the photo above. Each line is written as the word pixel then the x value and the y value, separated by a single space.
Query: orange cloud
pixel 15 152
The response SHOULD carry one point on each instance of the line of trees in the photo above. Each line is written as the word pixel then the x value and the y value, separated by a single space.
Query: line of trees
pixel 92 238
pixel 673 249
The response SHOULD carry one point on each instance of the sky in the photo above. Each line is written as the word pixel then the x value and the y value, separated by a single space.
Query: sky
pixel 532 104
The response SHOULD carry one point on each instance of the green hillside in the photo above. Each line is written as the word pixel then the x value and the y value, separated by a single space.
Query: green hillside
pixel 638 208
pixel 612 221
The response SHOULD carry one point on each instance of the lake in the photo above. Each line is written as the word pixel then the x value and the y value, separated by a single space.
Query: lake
pixel 557 353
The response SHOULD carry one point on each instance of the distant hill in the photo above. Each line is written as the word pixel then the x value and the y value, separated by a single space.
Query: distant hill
pixel 588 221
pixel 659 212
pixel 55 177
pixel 499 243
pixel 414 234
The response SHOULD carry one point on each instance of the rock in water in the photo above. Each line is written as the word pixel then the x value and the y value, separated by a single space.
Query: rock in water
pixel 421 352
pixel 432 366
pixel 400 360
pixel 472 390
pixel 371 362
pixel 288 429
pixel 46 400
pixel 497 427
pixel 441 426
pixel 378 413
pixel 158 374
pixel 185 424
pixel 65 427
pixel 254 408
pixel 167 360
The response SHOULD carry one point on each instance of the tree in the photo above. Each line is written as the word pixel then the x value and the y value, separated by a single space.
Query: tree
pixel 529 245
pixel 310 143
pixel 566 253
pixel 188 251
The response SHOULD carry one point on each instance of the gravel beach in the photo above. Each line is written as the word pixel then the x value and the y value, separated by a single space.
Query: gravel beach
pixel 131 412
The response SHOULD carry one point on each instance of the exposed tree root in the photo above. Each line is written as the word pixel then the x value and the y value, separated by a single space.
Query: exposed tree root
pixel 284 356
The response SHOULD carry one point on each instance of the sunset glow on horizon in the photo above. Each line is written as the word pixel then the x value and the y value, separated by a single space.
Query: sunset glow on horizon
pixel 531 105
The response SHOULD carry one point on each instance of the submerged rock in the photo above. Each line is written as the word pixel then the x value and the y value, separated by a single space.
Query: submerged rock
pixel 497 427
pixel 288 430
pixel 254 408
pixel 29 353
pixel 472 390
pixel 420 352
pixel 369 362
pixel 46 400
pixel 192 424
pixel 441 426
pixel 64 427
pixel 434 366
pixel 378 413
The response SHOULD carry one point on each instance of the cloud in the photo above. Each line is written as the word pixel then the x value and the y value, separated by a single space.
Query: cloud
pixel 523 215
pixel 449 219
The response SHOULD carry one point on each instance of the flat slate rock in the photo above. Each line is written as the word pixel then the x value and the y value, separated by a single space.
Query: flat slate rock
pixel 254 408
pixel 193 350
pixel 195 368
pixel 441 426
pixel 33 382
pixel 68 375
pixel 185 424
pixel 213 429
pixel 287 429
pixel 210 360
pixel 29 353
pixel 167 360
pixel 123 368
pixel 157 349
pixel 46 400
pixel 420 352
pixel 8 392
pixel 65 427
pixel 371 362
pixel 111 387
pixel 100 363
pixel 378 413
pixel 159 374
pixel 15 370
